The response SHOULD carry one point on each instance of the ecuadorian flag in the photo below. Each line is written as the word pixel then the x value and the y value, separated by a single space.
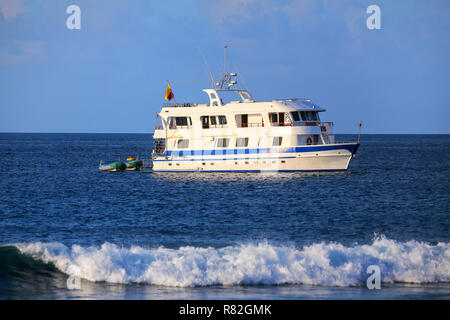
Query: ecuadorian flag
pixel 169 94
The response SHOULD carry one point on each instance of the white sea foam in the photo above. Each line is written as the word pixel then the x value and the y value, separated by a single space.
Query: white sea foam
pixel 329 264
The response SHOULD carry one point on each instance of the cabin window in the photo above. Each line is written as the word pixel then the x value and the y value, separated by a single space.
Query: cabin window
pixel 208 121
pixel 222 120
pixel 295 116
pixel 182 143
pixel 316 139
pixel 175 122
pixel 223 142
pixel 181 121
pixel 241 142
pixel 306 139
pixel 277 119
pixel 309 115
pixel 281 118
pixel 273 117
pixel 276 142
pixel 301 140
pixel 244 120
pixel 249 120
pixel 303 115
pixel 205 122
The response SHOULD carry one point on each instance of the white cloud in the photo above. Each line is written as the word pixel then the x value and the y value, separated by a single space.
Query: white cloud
pixel 11 8
pixel 297 10
pixel 223 12
pixel 355 20
pixel 21 52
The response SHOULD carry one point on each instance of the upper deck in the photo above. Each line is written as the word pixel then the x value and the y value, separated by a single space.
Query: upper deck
pixel 240 110
pixel 246 100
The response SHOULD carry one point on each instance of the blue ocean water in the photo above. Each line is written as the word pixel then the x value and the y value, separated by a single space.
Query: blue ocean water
pixel 292 235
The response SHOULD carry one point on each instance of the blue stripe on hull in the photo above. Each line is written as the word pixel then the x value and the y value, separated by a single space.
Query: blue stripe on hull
pixel 224 159
pixel 352 147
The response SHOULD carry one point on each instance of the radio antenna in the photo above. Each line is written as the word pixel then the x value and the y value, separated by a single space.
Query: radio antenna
pixel 224 59
pixel 359 130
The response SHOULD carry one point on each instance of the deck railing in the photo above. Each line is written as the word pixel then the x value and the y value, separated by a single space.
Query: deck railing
pixel 250 125
pixel 179 104
pixel 302 123
pixel 313 123
pixel 255 124
pixel 171 127
pixel 204 126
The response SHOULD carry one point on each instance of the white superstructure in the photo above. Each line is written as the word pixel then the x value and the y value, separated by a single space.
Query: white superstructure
pixel 247 135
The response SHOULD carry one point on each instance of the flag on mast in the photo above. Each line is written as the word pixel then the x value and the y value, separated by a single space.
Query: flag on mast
pixel 169 94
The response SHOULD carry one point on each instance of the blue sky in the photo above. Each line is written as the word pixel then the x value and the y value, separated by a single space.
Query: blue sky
pixel 110 76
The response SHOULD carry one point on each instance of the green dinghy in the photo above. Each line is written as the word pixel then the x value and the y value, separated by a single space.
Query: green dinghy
pixel 134 165
pixel 114 166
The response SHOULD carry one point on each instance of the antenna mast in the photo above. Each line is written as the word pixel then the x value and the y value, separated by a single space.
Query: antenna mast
pixel 226 81
pixel 224 58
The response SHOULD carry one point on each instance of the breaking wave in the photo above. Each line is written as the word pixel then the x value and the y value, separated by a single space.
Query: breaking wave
pixel 327 264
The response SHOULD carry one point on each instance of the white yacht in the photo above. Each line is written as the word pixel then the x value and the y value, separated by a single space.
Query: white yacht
pixel 246 135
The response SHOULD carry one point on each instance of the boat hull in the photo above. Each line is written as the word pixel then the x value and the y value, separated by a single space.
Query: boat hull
pixel 335 157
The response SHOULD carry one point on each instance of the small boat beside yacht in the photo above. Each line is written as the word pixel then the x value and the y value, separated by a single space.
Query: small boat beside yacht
pixel 113 166
pixel 132 164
